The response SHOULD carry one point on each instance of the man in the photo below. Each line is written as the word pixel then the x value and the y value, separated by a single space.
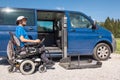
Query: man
pixel 23 37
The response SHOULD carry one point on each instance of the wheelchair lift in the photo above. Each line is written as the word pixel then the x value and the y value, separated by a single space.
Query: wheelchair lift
pixel 67 62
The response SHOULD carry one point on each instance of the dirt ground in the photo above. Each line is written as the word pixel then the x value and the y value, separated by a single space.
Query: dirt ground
pixel 110 70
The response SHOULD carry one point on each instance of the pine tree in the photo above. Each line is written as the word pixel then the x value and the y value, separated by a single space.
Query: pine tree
pixel 116 28
pixel 112 25
pixel 108 24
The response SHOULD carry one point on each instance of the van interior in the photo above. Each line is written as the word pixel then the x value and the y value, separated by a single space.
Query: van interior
pixel 50 27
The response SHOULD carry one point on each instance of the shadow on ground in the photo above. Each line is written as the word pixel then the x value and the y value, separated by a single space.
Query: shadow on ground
pixel 3 61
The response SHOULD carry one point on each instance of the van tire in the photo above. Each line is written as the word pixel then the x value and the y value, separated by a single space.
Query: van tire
pixel 102 52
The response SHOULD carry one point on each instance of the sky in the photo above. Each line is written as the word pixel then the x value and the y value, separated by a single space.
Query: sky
pixel 98 9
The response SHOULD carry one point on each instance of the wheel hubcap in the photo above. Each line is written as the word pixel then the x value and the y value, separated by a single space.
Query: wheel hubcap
pixel 102 52
pixel 27 67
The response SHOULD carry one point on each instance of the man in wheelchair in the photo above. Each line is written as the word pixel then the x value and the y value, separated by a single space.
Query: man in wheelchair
pixel 25 54
pixel 24 39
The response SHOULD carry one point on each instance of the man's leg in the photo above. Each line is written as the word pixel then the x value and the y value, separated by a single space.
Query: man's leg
pixel 44 57
pixel 46 60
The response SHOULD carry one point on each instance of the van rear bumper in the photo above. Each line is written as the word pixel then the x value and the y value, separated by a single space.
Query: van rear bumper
pixel 114 45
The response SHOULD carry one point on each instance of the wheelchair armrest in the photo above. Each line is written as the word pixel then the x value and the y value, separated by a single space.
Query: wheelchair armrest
pixel 30 44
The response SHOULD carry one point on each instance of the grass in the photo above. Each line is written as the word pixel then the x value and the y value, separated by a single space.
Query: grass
pixel 118 45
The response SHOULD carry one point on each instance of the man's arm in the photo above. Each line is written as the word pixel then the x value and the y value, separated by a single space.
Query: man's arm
pixel 28 40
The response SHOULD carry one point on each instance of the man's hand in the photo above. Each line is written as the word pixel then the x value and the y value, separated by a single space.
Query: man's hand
pixel 37 41
pixel 28 40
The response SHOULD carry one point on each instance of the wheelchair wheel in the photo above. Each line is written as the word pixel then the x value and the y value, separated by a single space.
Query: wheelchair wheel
pixel 42 69
pixel 27 67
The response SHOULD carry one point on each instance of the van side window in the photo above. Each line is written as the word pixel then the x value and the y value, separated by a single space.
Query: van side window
pixel 45 26
pixel 79 21
pixel 8 16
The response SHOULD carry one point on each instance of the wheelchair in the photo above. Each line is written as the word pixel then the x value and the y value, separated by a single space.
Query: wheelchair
pixel 25 63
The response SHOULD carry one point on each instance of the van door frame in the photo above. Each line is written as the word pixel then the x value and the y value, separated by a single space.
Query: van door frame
pixel 64 37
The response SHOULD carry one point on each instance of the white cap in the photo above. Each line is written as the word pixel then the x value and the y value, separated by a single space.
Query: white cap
pixel 20 18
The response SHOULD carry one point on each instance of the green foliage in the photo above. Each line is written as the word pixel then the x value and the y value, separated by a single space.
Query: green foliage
pixel 112 25
pixel 118 45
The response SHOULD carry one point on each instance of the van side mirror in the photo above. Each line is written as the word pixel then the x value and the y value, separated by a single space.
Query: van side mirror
pixel 94 25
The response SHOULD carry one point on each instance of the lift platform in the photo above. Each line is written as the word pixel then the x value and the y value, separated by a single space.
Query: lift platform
pixel 69 64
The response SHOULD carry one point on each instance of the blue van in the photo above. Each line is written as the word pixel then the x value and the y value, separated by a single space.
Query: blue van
pixel 65 32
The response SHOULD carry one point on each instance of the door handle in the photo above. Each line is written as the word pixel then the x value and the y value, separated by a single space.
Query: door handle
pixel 30 28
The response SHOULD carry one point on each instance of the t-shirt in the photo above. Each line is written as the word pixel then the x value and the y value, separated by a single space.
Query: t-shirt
pixel 20 31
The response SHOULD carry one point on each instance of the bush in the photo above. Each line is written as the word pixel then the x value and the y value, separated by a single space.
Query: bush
pixel 118 45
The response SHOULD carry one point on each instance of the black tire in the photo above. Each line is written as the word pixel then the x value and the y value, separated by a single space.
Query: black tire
pixel 42 69
pixel 27 67
pixel 102 52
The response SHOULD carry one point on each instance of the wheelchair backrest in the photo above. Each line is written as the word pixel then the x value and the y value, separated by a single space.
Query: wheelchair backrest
pixel 12 44
pixel 14 40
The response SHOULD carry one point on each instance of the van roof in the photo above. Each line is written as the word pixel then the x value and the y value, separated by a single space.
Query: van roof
pixel 51 10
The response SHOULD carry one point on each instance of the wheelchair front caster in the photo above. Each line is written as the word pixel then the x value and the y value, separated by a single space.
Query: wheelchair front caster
pixel 42 69
pixel 10 69
pixel 27 67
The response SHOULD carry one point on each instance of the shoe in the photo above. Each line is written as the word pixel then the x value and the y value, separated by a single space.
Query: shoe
pixel 50 63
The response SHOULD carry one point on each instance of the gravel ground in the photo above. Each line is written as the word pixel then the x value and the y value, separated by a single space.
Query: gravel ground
pixel 110 70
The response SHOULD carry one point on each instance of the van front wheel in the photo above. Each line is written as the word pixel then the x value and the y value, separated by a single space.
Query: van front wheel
pixel 102 52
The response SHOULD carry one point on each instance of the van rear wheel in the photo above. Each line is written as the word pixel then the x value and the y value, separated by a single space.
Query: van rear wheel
pixel 102 52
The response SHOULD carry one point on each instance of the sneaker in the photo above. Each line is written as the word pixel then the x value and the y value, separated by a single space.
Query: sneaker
pixel 50 63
